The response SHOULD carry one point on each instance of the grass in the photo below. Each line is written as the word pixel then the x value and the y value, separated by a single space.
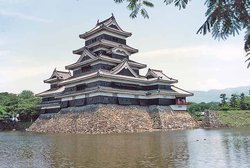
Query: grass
pixel 236 118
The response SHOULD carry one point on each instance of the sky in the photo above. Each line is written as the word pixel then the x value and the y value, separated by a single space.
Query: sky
pixel 38 36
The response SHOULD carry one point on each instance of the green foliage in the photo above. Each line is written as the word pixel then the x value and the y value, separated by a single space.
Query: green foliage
pixel 137 6
pixel 201 107
pixel 223 99
pixel 196 109
pixel 243 102
pixel 9 101
pixel 181 4
pixel 2 109
pixel 25 104
pixel 234 101
pixel 224 18
pixel 3 112
pixel 225 107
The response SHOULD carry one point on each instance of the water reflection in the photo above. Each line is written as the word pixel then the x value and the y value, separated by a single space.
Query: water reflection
pixel 219 148
pixel 192 148
pixel 127 150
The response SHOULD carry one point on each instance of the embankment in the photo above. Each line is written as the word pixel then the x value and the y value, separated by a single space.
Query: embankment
pixel 236 118
pixel 99 119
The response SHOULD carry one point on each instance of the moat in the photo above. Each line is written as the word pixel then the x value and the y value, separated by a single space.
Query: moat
pixel 187 148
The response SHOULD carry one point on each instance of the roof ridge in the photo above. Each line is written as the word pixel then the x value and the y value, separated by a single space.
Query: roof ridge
pixel 102 22
pixel 120 66
pixel 155 70
pixel 182 89
pixel 68 72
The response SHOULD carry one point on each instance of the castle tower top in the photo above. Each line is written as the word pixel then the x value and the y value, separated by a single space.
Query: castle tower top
pixel 109 25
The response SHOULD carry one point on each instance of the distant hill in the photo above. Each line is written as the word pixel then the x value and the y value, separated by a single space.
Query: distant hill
pixel 214 95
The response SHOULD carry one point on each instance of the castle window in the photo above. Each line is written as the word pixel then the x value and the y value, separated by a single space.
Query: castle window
pixel 86 68
pixel 115 39
pixel 80 87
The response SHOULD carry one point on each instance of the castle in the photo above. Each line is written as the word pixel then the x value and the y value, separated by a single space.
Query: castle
pixel 105 74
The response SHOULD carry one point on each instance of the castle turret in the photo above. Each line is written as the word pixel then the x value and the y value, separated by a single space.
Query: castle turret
pixel 51 104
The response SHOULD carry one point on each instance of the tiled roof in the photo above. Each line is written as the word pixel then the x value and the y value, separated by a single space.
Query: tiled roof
pixel 121 66
pixel 106 24
pixel 159 74
pixel 181 91
pixel 58 75
pixel 64 75
pixel 106 21
pixel 51 91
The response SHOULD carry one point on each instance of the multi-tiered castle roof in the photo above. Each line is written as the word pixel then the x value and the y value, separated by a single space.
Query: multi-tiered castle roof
pixel 105 74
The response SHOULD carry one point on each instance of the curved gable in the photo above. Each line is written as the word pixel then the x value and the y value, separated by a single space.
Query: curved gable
pixel 86 55
pixel 124 69
pixel 120 51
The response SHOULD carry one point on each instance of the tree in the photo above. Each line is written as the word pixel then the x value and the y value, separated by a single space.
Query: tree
pixel 233 101
pixel 247 101
pixel 243 104
pixel 3 112
pixel 137 6
pixel 24 104
pixel 224 18
pixel 201 107
pixel 9 102
pixel 27 103
pixel 223 99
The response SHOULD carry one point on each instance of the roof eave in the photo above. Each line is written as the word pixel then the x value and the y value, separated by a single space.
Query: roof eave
pixel 185 95
pixel 91 32
pixel 168 81
pixel 76 65
pixel 51 80
pixel 110 44
pixel 78 51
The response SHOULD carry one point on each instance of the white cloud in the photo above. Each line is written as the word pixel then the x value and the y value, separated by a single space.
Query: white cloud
pixel 23 16
pixel 200 67
pixel 225 52
pixel 221 51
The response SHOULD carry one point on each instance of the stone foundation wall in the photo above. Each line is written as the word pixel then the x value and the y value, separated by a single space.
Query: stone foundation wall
pixel 99 119
pixel 211 120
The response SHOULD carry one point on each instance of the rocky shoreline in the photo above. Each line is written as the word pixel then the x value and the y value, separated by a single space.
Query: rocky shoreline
pixel 103 119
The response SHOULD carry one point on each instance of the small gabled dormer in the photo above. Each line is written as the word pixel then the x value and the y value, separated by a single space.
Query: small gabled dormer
pixel 86 55
pixel 56 77
pixel 158 74
pixel 124 69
